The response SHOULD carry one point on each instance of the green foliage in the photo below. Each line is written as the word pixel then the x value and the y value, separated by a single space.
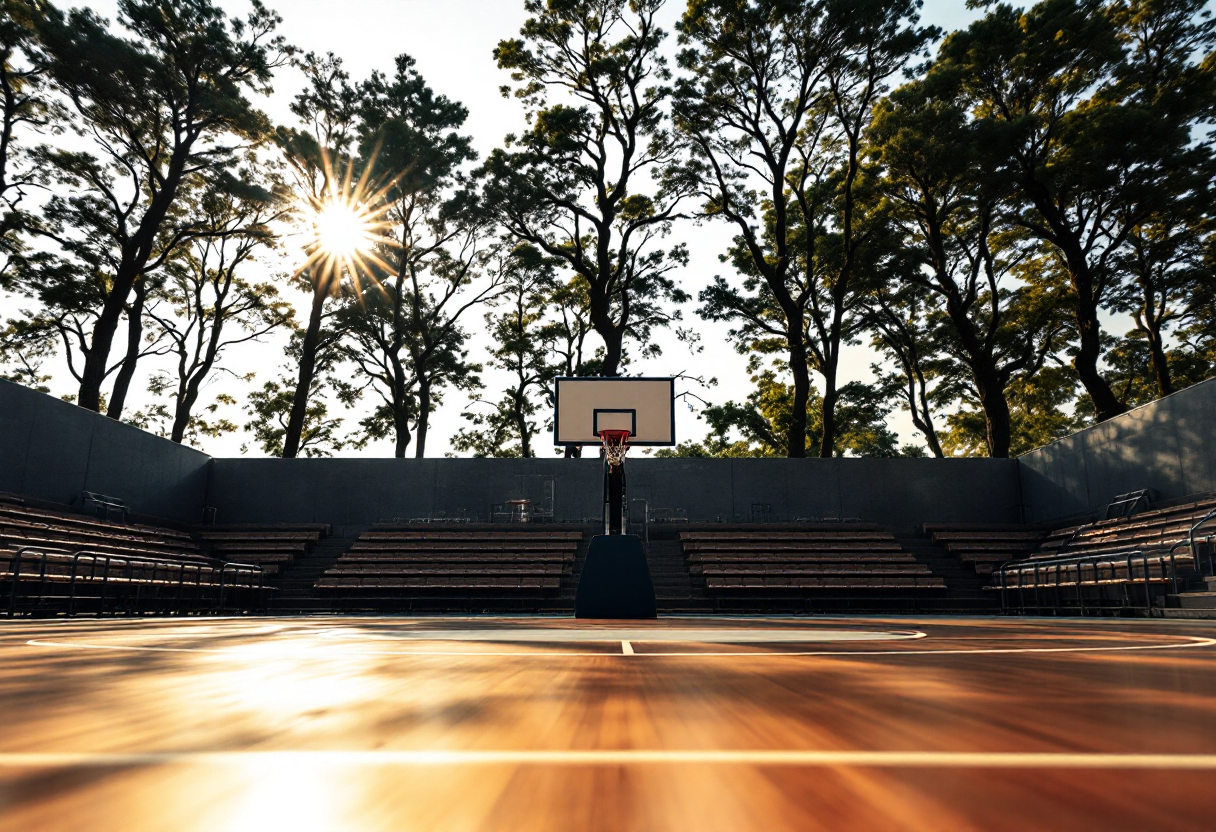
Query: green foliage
pixel 1046 176
pixel 572 185
pixel 1067 93
pixel 758 427
pixel 1041 411
pixel 269 410
pixel 773 112
pixel 163 102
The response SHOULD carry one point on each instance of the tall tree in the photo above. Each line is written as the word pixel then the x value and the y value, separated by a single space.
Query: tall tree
pixel 1170 72
pixel 900 318
pixel 213 305
pixel 406 330
pixel 1162 262
pixel 518 328
pixel 322 173
pixel 574 184
pixel 944 194
pixel 1090 160
pixel 775 109
pixel 159 108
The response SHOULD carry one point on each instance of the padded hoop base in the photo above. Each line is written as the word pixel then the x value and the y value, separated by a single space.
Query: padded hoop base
pixel 616 580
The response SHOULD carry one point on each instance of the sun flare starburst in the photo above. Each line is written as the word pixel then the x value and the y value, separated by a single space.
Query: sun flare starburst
pixel 347 227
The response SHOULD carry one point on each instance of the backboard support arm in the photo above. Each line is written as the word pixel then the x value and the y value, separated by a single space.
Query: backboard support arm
pixel 616 513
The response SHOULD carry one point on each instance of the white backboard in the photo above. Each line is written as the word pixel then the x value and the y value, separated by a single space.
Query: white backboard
pixel 643 406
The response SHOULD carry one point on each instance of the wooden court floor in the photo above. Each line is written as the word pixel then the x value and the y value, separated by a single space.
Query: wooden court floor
pixel 394 724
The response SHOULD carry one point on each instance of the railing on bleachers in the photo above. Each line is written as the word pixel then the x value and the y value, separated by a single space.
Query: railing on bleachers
pixel 43 580
pixel 1111 577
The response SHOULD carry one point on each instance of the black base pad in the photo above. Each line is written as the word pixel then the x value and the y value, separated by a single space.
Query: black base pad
pixel 616 581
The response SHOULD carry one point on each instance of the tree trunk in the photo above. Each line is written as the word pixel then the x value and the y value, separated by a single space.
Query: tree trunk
pixel 401 426
pixel 424 416
pixel 1161 365
pixel 521 424
pixel 985 377
pixel 1089 330
pixel 918 405
pixel 135 337
pixel 796 438
pixel 308 367
pixel 130 270
pixel 401 405
pixel 1150 325
pixel 996 413
pixel 613 347
pixel 827 440
pixel 181 415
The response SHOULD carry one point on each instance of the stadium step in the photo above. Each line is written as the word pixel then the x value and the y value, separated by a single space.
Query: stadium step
pixel 1205 600
pixel 296 582
pixel 964 588
pixel 675 588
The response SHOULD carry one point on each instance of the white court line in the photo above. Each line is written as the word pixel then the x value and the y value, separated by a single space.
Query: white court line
pixel 626 648
pixel 876 759
pixel 1192 641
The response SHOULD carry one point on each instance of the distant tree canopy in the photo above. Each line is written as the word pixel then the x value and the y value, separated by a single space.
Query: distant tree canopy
pixel 1012 222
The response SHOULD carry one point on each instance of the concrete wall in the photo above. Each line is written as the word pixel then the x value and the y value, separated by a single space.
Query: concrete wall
pixel 1168 446
pixel 353 493
pixel 53 450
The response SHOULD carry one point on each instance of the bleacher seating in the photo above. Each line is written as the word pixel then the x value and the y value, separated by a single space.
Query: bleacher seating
pixel 852 556
pixel 984 546
pixel 1156 528
pixel 1099 557
pixel 454 560
pixel 21 526
pixel 272 547
pixel 56 560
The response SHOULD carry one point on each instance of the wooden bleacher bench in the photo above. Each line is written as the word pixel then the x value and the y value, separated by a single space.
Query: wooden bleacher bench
pixel 388 558
pixel 273 547
pixel 845 556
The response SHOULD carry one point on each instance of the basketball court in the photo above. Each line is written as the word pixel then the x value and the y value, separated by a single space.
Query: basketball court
pixel 696 723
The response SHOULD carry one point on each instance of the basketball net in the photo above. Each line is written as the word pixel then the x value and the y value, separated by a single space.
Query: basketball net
pixel 616 445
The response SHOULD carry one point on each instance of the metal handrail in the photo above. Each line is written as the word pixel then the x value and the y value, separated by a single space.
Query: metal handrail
pixel 101 567
pixel 15 569
pixel 1098 562
pixel 1211 515
pixel 129 566
pixel 238 569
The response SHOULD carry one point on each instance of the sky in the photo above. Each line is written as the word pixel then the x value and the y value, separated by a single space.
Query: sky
pixel 453 43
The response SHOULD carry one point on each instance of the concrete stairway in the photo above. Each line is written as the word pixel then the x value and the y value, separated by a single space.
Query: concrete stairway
pixel 674 587
pixel 295 583
pixel 1198 602
pixel 966 589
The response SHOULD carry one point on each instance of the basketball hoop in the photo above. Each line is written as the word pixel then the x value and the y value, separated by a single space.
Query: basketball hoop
pixel 616 445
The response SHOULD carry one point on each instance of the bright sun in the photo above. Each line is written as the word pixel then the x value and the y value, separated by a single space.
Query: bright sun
pixel 347 225
pixel 341 232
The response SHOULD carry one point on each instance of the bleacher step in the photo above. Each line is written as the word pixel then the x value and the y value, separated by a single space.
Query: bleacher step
pixel 1192 600
pixel 1201 614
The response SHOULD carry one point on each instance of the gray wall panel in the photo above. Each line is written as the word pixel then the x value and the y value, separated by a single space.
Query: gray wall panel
pixel 353 493
pixel 1168 446
pixel 53 450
